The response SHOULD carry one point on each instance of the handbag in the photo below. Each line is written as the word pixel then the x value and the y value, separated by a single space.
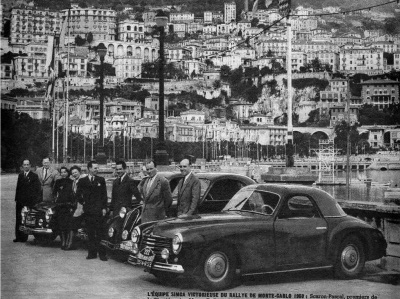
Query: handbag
pixel 79 210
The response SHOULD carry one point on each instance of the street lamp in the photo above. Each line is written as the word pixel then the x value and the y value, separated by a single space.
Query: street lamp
pixel 101 157
pixel 161 155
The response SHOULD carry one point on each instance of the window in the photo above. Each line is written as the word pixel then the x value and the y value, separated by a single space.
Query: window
pixel 299 206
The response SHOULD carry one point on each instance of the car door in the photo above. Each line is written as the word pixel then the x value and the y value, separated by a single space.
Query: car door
pixel 300 233
pixel 218 194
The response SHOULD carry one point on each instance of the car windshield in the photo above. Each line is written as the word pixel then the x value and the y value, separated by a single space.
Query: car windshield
pixel 238 200
pixel 253 201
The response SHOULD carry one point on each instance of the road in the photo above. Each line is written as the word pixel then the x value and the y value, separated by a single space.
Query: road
pixel 30 270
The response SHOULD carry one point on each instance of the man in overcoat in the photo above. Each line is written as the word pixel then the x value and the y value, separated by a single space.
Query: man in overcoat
pixel 157 197
pixel 94 193
pixel 188 191
pixel 47 177
pixel 27 195
pixel 123 189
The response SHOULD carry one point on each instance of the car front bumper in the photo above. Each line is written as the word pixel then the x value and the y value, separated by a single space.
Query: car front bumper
pixel 35 230
pixel 109 245
pixel 156 266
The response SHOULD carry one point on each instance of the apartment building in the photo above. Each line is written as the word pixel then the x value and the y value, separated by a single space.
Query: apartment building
pixel 130 30
pixel 380 93
pixel 358 58
pixel 181 17
pixel 101 23
pixel 29 24
pixel 229 12
pixel 325 57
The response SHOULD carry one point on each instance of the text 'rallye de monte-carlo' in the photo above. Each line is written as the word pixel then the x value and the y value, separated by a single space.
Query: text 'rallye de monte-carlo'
pixel 264 228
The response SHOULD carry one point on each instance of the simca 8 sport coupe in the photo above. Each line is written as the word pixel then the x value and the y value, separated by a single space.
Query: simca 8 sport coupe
pixel 264 228
pixel 40 220
pixel 216 191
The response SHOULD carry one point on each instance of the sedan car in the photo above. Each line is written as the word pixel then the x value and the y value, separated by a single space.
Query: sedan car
pixel 216 191
pixel 40 220
pixel 264 228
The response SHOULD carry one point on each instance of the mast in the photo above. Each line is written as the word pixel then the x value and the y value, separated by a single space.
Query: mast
pixel 67 94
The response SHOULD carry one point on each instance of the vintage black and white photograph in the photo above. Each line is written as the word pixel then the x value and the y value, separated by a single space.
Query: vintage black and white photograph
pixel 183 149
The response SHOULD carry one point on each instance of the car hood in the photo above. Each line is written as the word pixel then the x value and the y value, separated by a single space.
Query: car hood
pixel 44 206
pixel 171 226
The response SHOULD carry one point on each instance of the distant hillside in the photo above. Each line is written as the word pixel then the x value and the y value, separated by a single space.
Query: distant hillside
pixel 198 7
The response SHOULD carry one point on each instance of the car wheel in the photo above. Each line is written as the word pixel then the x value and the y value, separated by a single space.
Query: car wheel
pixel 216 269
pixel 350 259
pixel 45 238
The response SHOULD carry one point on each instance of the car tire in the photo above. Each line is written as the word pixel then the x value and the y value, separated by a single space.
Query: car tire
pixel 45 238
pixel 350 258
pixel 217 268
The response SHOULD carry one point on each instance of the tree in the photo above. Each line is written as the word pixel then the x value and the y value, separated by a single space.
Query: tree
pixel 79 41
pixel 89 37
pixel 193 74
pixel 225 72
pixel 217 84
pixel 209 63
pixel 342 130
pixel 254 22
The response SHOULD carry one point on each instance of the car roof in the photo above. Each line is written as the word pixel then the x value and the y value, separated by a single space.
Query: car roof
pixel 226 175
pixel 327 204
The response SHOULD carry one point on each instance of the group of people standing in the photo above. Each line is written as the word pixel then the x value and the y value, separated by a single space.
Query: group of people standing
pixel 84 198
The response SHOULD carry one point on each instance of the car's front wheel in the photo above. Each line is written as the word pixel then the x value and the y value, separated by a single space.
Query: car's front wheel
pixel 350 259
pixel 217 268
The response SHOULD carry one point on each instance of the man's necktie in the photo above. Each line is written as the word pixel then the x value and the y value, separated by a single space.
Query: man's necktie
pixel 92 179
pixel 45 173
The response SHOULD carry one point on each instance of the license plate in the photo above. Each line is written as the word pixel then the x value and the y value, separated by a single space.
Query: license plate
pixel 127 246
pixel 30 222
pixel 145 257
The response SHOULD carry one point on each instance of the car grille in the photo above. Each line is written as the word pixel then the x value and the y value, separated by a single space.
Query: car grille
pixel 31 219
pixel 131 219
pixel 156 243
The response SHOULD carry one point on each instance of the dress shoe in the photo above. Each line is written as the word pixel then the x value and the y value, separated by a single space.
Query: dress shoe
pixel 91 257
pixel 103 258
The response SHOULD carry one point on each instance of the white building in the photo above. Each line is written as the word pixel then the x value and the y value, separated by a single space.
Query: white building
pixel 229 12
pixel 130 30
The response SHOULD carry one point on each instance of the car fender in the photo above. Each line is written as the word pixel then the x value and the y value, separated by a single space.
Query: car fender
pixel 352 226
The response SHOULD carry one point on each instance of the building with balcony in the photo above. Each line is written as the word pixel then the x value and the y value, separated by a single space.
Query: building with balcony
pixel 326 58
pixel 361 59
pixel 77 64
pixel 193 117
pixel 35 107
pixel 101 23
pixel 130 30
pixel 338 113
pixel 380 93
pixel 181 17
pixel 30 24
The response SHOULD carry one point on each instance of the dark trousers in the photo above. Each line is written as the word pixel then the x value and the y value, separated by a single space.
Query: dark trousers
pixel 18 218
pixel 95 225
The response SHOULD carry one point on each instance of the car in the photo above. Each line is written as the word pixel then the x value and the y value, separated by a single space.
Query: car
pixel 265 228
pixel 40 220
pixel 216 191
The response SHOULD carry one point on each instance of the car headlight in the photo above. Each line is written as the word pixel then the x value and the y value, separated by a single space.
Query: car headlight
pixel 135 235
pixel 24 211
pixel 122 212
pixel 177 243
pixel 110 232
pixel 165 253
pixel 125 235
pixel 40 222
pixel 49 213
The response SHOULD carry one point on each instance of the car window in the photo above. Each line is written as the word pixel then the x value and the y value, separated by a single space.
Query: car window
pixel 223 190
pixel 299 206
pixel 204 183
pixel 262 202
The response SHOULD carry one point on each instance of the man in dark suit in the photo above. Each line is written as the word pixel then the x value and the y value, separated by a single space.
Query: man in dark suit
pixel 94 193
pixel 157 196
pixel 27 194
pixel 123 189
pixel 188 191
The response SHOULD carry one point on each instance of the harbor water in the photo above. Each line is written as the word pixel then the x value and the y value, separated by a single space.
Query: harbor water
pixel 360 191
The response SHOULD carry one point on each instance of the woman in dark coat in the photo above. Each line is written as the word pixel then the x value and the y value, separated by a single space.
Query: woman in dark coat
pixel 64 197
